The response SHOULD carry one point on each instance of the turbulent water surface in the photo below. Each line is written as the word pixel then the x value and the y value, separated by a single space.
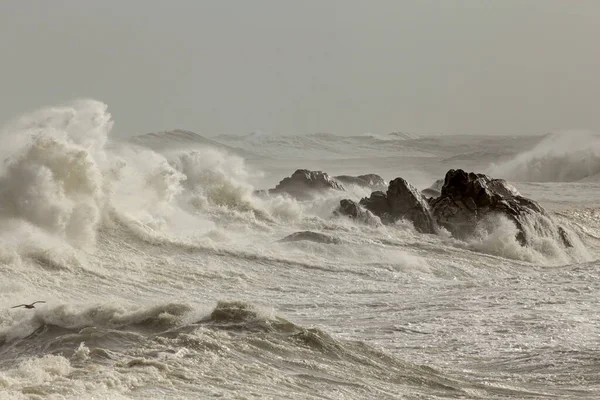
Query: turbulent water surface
pixel 164 276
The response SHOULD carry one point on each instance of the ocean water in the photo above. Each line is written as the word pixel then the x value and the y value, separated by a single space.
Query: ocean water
pixel 163 276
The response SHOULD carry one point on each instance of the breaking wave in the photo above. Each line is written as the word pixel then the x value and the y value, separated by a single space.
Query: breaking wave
pixel 561 157
pixel 497 235
pixel 121 240
pixel 62 180
pixel 236 341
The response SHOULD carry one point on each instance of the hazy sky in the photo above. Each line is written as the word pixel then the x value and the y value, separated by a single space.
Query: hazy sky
pixel 302 66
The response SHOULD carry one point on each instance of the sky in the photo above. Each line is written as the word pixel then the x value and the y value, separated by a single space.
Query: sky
pixel 304 66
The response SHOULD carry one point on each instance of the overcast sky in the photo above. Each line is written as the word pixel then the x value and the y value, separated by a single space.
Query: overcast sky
pixel 302 66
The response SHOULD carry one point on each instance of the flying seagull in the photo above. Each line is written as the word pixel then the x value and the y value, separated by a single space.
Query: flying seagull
pixel 29 305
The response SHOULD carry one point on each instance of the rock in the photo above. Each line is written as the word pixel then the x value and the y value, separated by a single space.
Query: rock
pixel 349 208
pixel 355 211
pixel 305 184
pixel 406 202
pixel 370 181
pixel 466 198
pixel 377 203
pixel 401 201
pixel 312 237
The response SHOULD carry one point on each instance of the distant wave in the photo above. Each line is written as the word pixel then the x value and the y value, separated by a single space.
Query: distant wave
pixel 182 139
pixel 326 145
pixel 393 136
pixel 561 157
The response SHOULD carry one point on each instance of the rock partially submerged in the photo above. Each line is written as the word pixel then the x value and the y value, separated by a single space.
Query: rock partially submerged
pixel 312 237
pixel 465 199
pixel 401 201
pixel 370 181
pixel 355 211
pixel 305 184
pixel 350 208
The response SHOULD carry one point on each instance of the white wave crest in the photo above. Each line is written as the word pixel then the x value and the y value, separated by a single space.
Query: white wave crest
pixel 562 157
pixel 497 235
pixel 52 177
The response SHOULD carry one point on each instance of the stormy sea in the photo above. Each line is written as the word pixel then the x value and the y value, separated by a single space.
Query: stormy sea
pixel 183 265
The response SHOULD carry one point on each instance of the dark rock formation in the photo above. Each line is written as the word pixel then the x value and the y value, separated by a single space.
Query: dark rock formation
pixel 377 203
pixel 312 237
pixel 466 198
pixel 371 181
pixel 406 202
pixel 304 184
pixel 357 212
pixel 401 201
pixel 349 208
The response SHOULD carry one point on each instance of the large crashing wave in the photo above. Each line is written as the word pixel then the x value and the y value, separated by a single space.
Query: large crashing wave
pixel 60 182
pixel 51 175
pixel 563 157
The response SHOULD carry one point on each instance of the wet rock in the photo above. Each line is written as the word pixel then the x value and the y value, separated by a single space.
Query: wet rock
pixel 355 211
pixel 312 237
pixel 305 184
pixel 400 201
pixel 466 198
pixel 370 181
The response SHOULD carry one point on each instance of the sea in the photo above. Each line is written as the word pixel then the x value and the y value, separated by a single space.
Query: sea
pixel 163 275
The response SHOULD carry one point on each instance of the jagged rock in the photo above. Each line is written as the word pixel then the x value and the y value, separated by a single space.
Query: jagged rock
pixel 406 202
pixel 377 203
pixel 355 211
pixel 349 208
pixel 401 201
pixel 466 198
pixel 312 237
pixel 371 181
pixel 304 184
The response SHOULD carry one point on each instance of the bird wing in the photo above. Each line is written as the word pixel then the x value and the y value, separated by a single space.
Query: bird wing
pixel 20 305
pixel 39 301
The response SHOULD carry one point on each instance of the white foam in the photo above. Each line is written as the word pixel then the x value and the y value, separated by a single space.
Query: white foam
pixel 53 180
pixel 179 228
pixel 562 157
pixel 497 235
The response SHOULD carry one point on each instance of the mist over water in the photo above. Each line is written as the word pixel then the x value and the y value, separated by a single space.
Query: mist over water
pixel 164 275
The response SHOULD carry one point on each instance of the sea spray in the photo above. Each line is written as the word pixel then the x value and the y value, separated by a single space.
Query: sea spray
pixel 560 157
pixel 52 179
pixel 497 235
